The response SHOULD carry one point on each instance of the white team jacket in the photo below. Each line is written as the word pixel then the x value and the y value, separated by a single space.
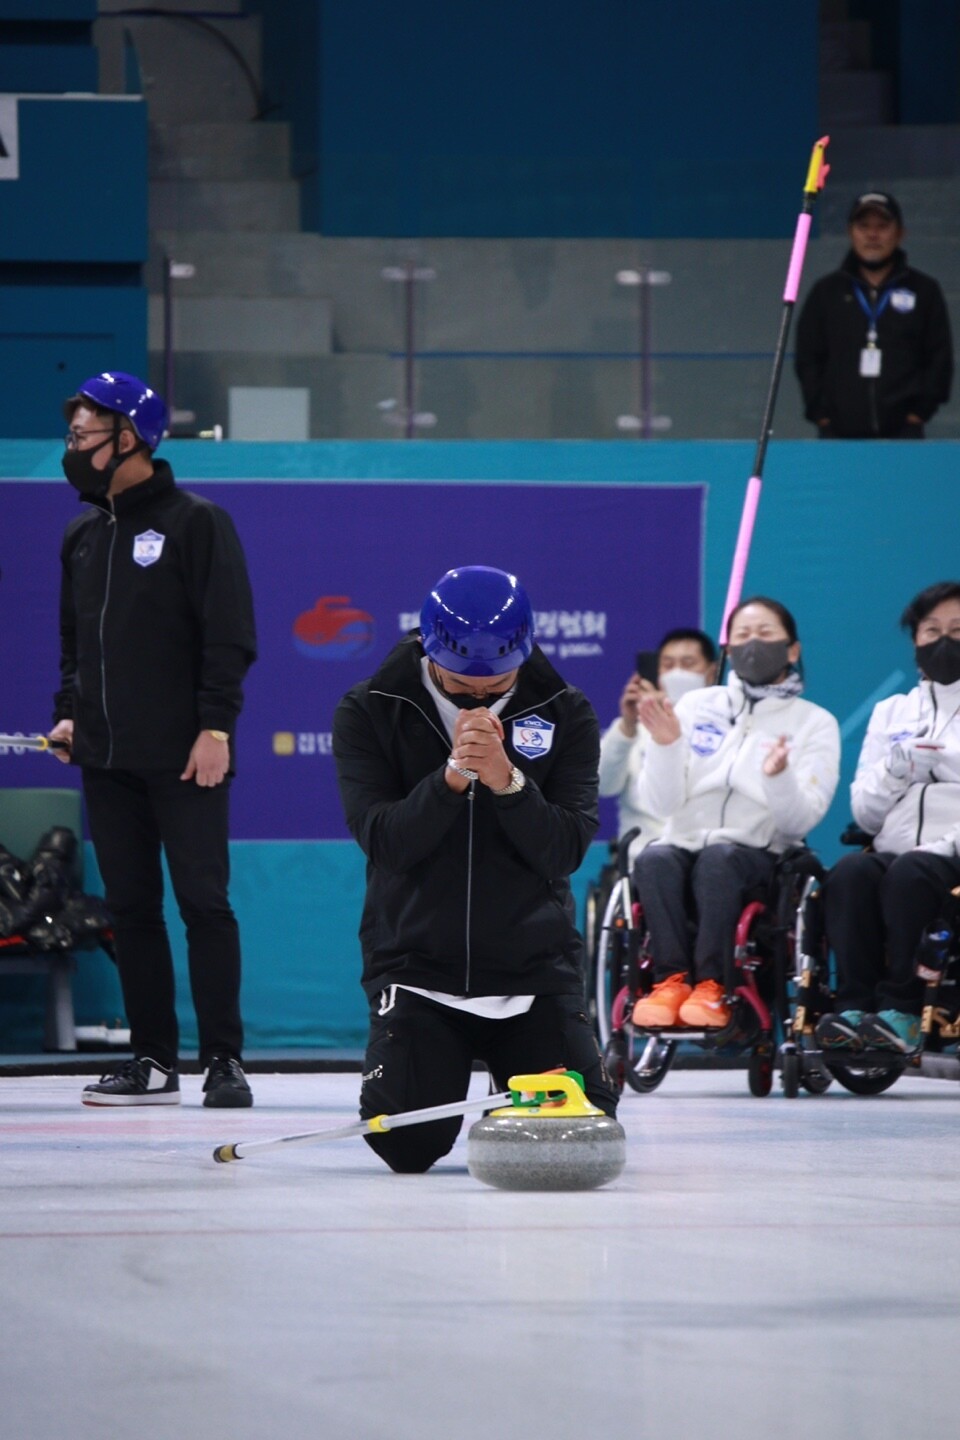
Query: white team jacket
pixel 621 764
pixel 902 816
pixel 710 782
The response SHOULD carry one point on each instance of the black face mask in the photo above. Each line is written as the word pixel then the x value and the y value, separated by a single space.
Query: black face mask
pixel 79 469
pixel 462 701
pixel 940 660
pixel 760 662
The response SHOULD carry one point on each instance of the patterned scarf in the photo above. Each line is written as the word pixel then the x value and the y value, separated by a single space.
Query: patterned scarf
pixel 785 690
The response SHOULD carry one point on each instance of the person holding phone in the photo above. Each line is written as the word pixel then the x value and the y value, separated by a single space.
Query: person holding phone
pixel 906 794
pixel 686 659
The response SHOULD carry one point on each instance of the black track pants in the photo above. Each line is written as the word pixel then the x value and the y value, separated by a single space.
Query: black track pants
pixel 709 886
pixel 133 815
pixel 876 908
pixel 420 1053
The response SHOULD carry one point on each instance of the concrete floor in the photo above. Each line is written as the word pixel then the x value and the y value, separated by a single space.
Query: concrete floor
pixel 763 1268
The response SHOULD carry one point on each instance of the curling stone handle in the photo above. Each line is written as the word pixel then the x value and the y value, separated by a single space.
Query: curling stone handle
pixel 548 1086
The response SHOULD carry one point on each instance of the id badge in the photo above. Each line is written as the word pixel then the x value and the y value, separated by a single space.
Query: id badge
pixel 870 361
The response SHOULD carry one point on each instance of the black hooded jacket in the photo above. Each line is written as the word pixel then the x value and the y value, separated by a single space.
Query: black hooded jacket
pixel 467 894
pixel 913 336
pixel 156 626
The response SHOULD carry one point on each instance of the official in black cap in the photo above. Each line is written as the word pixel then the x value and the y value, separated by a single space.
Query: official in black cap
pixel 874 352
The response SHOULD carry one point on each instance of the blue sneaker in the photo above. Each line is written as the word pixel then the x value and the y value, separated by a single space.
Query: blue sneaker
pixel 891 1030
pixel 840 1032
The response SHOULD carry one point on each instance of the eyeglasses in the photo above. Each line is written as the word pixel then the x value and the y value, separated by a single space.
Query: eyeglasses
pixel 73 438
pixel 927 633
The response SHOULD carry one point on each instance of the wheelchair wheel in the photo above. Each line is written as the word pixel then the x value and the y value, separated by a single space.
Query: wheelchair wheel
pixel 760 1071
pixel 609 993
pixel 646 1072
pixel 790 1066
pixel 592 916
pixel 640 1061
pixel 605 997
pixel 816 1081
pixel 799 1072
pixel 615 1059
pixel 866 1082
pixel 594 906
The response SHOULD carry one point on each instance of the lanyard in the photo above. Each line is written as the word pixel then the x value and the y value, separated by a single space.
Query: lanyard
pixel 872 312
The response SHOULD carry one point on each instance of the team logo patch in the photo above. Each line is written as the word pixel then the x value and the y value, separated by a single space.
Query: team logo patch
pixel 706 738
pixel 148 547
pixel 532 736
pixel 903 300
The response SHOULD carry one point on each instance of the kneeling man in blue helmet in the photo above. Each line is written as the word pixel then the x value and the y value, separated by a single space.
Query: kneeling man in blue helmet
pixel 468 772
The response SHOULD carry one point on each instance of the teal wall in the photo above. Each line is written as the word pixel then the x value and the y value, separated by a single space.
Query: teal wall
pixel 549 117
pixel 846 533
pixel 72 299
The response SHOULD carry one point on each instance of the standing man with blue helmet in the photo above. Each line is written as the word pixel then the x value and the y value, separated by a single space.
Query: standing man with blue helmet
pixel 156 634
pixel 468 773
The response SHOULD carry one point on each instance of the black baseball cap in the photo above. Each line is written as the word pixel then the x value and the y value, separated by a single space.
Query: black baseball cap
pixel 876 200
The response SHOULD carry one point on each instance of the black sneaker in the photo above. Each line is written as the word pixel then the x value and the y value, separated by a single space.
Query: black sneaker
pixel 225 1086
pixel 140 1081
pixel 840 1032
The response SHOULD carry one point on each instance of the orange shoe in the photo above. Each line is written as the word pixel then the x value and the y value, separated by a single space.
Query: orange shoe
pixel 706 1009
pixel 662 1005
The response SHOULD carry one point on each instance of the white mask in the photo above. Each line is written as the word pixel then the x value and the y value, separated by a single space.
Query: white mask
pixel 677 683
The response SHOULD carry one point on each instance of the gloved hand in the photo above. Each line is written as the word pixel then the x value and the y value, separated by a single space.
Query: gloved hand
pixel 911 762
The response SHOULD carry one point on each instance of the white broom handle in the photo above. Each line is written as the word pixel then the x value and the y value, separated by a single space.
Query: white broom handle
pixel 33 742
pixel 376 1125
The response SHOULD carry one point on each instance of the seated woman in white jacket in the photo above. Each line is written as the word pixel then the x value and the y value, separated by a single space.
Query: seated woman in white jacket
pixel 741 771
pixel 906 794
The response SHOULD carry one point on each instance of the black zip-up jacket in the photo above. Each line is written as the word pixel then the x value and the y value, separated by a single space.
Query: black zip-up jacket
pixel 915 344
pixel 152 653
pixel 467 894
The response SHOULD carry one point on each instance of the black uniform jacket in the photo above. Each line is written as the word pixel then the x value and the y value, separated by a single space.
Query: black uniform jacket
pixel 467 894
pixel 156 626
pixel 913 336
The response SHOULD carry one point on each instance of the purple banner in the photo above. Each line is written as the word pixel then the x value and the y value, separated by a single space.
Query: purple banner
pixel 339 571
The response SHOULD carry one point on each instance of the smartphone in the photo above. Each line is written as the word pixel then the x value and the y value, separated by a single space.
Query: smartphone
pixel 648 666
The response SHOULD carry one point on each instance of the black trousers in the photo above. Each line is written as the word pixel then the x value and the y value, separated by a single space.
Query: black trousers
pixel 420 1053
pixel 707 886
pixel 876 908
pixel 132 816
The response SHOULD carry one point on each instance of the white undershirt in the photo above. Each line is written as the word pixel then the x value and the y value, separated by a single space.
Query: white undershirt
pixel 489 1007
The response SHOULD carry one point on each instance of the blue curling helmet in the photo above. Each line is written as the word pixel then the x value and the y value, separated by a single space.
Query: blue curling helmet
pixel 126 395
pixel 477 621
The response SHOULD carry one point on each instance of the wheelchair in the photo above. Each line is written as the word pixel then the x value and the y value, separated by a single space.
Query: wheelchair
pixel 595 903
pixel 871 1071
pixel 760 986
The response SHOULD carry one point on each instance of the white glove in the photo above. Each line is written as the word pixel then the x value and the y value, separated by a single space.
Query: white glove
pixel 913 763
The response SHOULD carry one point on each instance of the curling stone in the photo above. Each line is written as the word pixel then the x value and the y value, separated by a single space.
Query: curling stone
pixel 550 1138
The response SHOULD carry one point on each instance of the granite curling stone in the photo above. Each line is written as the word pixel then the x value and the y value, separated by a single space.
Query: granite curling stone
pixel 557 1140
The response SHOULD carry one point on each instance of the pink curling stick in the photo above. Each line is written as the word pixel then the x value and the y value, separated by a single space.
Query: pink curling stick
pixel 816 176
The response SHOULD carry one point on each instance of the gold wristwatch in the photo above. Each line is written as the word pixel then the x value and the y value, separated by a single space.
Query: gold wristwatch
pixel 220 735
pixel 514 785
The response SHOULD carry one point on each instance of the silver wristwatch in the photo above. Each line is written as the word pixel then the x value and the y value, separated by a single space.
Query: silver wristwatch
pixel 462 770
pixel 515 785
